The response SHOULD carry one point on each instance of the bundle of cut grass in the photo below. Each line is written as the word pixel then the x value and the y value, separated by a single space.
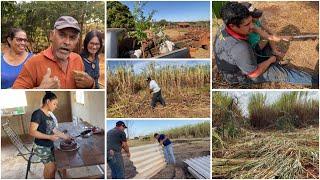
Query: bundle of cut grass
pixel 271 155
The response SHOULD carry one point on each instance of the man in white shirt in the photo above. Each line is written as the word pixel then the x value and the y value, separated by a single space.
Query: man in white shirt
pixel 156 91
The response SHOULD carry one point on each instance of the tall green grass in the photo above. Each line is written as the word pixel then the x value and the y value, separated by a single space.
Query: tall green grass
pixel 290 110
pixel 200 130
pixel 224 106
pixel 226 114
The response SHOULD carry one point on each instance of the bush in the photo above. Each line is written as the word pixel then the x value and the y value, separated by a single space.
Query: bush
pixel 292 109
pixel 285 123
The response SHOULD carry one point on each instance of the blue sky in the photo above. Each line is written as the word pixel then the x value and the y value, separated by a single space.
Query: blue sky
pixel 140 66
pixel 145 127
pixel 176 11
pixel 271 97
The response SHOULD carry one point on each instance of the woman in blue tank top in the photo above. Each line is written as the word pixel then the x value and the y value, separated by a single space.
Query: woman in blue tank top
pixel 14 57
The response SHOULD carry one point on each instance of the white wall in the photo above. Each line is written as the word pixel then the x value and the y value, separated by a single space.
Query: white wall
pixel 34 98
pixel 93 108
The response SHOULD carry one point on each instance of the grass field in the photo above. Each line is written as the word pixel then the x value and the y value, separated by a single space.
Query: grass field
pixel 185 89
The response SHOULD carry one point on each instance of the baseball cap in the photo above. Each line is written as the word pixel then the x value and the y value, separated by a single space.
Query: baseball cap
pixel 121 123
pixel 255 13
pixel 66 22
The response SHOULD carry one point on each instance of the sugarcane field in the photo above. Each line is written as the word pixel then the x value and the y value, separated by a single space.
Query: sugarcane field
pixel 265 135
pixel 186 144
pixel 291 31
pixel 160 29
pixel 158 89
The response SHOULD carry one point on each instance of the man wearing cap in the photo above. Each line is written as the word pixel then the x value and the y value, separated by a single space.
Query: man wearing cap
pixel 156 93
pixel 57 66
pixel 167 148
pixel 116 141
pixel 236 59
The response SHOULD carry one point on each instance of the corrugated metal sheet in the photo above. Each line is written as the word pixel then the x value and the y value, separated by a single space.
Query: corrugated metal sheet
pixel 199 167
pixel 148 160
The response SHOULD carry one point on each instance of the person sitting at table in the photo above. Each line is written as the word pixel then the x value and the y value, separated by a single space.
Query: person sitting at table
pixel 43 129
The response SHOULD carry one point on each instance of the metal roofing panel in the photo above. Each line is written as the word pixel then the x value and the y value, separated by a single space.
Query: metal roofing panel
pixel 148 160
pixel 199 166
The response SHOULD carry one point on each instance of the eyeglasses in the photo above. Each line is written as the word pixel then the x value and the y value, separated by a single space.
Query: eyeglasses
pixel 94 44
pixel 20 40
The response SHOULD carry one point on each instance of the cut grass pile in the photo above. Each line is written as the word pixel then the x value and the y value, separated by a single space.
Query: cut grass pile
pixel 264 155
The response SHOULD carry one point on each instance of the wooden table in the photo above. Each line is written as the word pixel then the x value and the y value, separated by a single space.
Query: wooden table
pixel 91 151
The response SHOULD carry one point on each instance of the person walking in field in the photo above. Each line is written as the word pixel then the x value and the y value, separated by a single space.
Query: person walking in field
pixel 116 140
pixel 155 90
pixel 167 147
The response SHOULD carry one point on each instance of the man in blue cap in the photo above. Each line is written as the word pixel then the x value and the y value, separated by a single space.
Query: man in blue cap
pixel 116 141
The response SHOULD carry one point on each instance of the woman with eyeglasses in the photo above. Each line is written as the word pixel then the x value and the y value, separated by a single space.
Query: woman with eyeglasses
pixel 92 46
pixel 13 59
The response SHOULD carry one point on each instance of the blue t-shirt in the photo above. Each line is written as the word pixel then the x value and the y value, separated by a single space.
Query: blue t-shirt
pixel 10 73
pixel 166 142
pixel 92 68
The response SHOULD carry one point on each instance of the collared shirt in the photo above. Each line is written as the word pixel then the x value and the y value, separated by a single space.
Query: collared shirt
pixel 235 35
pixel 33 70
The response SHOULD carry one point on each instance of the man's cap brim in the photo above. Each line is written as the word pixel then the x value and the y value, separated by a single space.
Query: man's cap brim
pixel 67 26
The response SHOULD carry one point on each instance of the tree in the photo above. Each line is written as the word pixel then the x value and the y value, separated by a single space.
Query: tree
pixel 216 8
pixel 162 22
pixel 119 16
pixel 37 18
pixel 142 22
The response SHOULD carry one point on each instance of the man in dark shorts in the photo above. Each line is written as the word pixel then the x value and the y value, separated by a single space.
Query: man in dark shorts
pixel 116 140
pixel 237 61
pixel 167 147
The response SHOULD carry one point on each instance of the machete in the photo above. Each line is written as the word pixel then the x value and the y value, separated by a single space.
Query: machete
pixel 304 37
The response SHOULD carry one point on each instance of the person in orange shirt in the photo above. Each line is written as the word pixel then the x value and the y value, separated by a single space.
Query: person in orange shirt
pixel 57 66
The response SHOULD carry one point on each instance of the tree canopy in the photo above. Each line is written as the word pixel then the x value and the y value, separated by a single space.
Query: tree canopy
pixel 38 17
pixel 119 16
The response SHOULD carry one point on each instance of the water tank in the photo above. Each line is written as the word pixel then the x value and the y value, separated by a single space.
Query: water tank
pixel 114 35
